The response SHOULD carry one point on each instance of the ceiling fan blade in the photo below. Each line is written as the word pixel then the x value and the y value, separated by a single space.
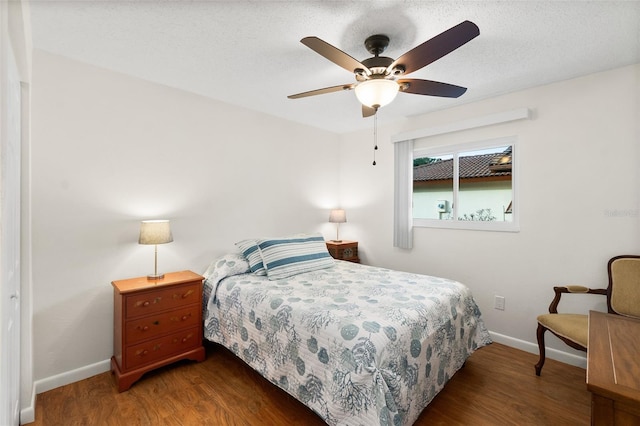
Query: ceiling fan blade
pixel 431 88
pixel 437 47
pixel 331 89
pixel 334 54
pixel 368 111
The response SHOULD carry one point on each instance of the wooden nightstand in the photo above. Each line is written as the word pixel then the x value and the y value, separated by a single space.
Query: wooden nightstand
pixel 156 322
pixel 344 250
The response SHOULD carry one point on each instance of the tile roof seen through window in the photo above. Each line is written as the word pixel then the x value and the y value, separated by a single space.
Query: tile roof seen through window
pixel 472 166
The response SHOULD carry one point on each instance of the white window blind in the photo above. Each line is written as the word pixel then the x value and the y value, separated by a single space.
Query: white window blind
pixel 403 187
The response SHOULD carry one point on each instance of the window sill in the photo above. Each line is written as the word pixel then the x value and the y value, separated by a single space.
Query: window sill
pixel 467 225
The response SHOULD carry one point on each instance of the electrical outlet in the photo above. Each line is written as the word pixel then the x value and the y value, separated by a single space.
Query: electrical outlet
pixel 499 303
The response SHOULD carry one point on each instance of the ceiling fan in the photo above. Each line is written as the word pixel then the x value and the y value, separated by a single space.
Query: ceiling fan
pixel 379 78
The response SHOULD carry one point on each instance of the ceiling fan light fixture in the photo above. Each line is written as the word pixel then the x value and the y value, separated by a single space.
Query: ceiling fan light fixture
pixel 377 92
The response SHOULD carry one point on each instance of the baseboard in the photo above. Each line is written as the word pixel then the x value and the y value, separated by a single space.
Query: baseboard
pixel 28 413
pixel 72 376
pixel 567 358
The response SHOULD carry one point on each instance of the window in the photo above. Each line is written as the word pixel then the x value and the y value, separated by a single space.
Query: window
pixel 468 186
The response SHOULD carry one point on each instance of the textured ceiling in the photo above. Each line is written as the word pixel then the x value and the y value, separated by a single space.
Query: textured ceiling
pixel 248 53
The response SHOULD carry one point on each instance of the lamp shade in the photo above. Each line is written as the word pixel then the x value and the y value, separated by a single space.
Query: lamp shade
pixel 337 216
pixel 376 92
pixel 155 232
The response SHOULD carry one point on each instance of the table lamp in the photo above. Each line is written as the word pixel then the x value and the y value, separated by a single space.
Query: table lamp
pixel 155 232
pixel 337 216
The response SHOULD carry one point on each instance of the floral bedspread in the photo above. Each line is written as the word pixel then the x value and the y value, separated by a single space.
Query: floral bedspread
pixel 359 345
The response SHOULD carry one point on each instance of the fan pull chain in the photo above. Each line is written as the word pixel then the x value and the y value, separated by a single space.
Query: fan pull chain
pixel 375 135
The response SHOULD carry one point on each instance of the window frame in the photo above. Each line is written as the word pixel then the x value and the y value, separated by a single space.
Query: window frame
pixel 456 150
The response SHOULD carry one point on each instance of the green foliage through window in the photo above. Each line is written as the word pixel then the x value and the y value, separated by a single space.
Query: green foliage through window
pixel 482 215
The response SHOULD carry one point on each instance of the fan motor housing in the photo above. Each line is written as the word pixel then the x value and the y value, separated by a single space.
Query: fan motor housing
pixel 376 44
pixel 377 62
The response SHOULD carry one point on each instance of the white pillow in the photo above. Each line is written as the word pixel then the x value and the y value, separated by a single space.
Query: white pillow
pixel 288 256
pixel 250 251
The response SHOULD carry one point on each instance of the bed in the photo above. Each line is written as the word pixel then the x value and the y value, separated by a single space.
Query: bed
pixel 357 344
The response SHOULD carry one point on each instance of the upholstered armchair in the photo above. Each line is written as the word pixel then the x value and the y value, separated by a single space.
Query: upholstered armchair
pixel 623 298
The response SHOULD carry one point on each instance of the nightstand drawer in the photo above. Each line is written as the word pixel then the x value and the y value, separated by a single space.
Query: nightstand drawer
pixel 155 325
pixel 157 300
pixel 344 250
pixel 158 349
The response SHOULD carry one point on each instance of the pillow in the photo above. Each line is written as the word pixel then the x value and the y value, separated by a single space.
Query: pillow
pixel 250 251
pixel 227 265
pixel 288 256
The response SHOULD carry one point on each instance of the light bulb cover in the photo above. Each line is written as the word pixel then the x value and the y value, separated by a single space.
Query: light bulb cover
pixel 155 232
pixel 376 92
pixel 337 216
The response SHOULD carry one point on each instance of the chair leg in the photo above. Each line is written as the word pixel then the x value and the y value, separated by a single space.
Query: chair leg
pixel 540 334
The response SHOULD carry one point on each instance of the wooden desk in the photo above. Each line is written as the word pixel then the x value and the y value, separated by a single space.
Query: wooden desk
pixel 613 369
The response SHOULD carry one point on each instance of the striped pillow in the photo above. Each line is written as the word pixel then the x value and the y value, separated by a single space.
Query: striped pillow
pixel 250 251
pixel 288 256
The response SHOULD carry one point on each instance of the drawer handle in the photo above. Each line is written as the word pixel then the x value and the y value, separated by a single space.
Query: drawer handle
pixel 187 294
pixel 145 328
pixel 146 303
pixel 182 318
pixel 184 339
pixel 142 353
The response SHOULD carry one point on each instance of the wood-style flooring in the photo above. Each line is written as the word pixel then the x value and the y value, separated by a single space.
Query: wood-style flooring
pixel 497 386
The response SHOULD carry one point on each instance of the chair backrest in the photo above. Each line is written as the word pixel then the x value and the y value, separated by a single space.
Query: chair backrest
pixel 623 293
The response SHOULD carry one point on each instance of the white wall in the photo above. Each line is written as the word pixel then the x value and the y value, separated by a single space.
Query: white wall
pixel 579 192
pixel 110 150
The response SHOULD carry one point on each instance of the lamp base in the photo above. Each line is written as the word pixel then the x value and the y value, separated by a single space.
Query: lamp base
pixel 155 276
pixel 337 241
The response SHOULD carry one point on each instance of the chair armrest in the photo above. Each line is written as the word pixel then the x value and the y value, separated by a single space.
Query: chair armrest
pixel 553 308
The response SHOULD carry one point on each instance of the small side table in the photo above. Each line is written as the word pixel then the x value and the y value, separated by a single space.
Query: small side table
pixel 344 250
pixel 156 322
